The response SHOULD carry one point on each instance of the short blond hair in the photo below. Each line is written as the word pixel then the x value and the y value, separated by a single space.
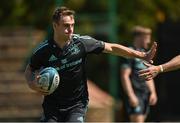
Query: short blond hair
pixel 140 30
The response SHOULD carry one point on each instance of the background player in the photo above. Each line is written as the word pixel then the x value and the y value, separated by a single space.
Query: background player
pixel 67 53
pixel 139 94
pixel 153 71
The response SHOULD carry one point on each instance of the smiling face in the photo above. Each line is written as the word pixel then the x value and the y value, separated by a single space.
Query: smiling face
pixel 64 28
pixel 63 23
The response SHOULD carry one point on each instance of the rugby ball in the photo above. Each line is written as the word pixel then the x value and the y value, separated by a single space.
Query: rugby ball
pixel 49 79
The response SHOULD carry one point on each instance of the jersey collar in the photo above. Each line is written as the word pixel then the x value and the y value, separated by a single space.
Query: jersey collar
pixel 53 43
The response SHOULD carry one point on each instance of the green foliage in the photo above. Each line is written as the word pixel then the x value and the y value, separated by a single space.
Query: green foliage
pixel 25 13
pixel 37 13
pixel 92 19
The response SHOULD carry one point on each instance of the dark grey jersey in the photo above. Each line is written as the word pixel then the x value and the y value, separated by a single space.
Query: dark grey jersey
pixel 139 85
pixel 69 61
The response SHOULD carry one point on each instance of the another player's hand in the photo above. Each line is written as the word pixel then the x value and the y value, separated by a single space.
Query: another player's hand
pixel 153 99
pixel 134 102
pixel 151 53
pixel 149 73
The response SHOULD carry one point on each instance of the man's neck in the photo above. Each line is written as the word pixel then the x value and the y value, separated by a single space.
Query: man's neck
pixel 61 42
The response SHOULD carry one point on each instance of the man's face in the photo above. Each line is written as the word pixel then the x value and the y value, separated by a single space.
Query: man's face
pixel 65 27
pixel 144 40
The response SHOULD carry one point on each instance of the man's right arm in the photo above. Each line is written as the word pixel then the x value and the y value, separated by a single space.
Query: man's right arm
pixel 32 79
pixel 126 83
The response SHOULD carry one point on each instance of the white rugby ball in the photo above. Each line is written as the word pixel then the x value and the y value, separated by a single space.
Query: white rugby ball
pixel 49 79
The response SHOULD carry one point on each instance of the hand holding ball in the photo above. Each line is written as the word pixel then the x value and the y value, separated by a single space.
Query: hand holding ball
pixel 49 79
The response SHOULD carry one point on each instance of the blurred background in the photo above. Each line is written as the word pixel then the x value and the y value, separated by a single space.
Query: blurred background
pixel 25 23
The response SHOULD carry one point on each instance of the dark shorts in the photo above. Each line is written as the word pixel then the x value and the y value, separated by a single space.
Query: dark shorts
pixel 143 107
pixel 74 113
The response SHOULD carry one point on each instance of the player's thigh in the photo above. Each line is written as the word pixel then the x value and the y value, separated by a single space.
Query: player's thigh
pixel 76 117
pixel 77 114
pixel 51 115
pixel 49 118
pixel 141 109
pixel 140 112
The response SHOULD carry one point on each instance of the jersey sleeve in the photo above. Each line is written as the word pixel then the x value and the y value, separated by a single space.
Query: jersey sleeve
pixel 35 61
pixel 39 56
pixel 126 63
pixel 92 45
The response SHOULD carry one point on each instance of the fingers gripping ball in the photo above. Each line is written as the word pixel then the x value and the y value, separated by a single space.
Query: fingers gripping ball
pixel 49 79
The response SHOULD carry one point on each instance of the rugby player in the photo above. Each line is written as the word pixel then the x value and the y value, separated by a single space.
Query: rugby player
pixel 138 93
pixel 67 52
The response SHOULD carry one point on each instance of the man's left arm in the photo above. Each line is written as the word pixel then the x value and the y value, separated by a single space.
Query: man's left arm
pixel 92 45
pixel 120 50
pixel 153 95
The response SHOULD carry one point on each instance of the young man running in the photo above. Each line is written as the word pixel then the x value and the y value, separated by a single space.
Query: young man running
pixel 67 52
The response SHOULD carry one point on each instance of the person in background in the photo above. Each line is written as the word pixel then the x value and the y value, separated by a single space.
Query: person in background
pixel 139 94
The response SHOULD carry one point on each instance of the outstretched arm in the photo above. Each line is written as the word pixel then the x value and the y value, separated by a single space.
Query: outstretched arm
pixel 120 50
pixel 172 64
pixel 153 71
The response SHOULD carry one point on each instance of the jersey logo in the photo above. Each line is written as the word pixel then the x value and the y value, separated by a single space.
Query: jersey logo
pixel 64 61
pixel 52 58
pixel 74 49
pixel 67 65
